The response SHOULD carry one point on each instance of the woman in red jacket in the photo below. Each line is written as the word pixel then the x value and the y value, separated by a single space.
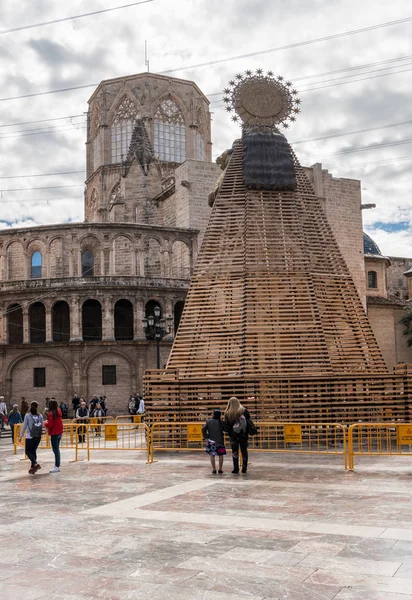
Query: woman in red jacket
pixel 54 425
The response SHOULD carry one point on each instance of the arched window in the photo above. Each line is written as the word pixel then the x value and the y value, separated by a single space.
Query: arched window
pixel 87 264
pixel 177 313
pixel 169 132
pixel 372 279
pixel 123 320
pixel 61 322
pixel 149 308
pixel 37 323
pixel 15 324
pixel 92 321
pixel 122 129
pixel 36 264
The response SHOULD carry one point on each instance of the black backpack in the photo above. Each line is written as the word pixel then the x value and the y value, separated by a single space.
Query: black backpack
pixel 36 428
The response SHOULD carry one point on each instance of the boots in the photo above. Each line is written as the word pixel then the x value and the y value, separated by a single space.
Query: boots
pixel 235 465
pixel 244 466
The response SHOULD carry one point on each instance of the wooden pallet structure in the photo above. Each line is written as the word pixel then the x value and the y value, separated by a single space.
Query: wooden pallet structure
pixel 272 314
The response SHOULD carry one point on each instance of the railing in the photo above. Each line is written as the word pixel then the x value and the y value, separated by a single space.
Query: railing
pixel 307 438
pixel 106 433
pixel 379 439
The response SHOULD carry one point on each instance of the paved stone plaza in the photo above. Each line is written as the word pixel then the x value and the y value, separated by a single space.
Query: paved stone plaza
pixel 296 527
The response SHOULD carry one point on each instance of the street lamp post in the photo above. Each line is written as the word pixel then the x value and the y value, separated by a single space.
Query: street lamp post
pixel 155 329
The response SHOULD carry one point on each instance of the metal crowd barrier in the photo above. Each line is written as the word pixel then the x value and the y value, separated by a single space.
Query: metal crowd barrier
pixel 379 439
pixel 361 439
pixel 307 438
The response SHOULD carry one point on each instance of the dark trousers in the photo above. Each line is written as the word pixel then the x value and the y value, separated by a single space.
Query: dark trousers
pixel 82 434
pixel 55 444
pixel 241 443
pixel 12 433
pixel 31 449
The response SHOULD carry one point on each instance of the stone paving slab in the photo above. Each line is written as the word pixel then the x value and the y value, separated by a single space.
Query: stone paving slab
pixel 294 528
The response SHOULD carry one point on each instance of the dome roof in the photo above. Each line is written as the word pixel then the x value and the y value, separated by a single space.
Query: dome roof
pixel 370 247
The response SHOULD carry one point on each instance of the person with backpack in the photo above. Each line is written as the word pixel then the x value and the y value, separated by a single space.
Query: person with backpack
pixel 33 427
pixel 54 426
pixel 236 425
pixel 213 434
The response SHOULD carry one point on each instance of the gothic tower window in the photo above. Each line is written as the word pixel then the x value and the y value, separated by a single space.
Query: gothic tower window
pixel 169 132
pixel 122 128
pixel 36 264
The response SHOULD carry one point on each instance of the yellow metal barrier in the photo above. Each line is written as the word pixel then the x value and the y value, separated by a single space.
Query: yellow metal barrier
pixel 94 419
pixel 374 439
pixel 307 438
pixel 120 436
pixel 129 418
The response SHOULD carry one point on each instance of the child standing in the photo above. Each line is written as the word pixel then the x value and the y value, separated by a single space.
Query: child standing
pixel 212 432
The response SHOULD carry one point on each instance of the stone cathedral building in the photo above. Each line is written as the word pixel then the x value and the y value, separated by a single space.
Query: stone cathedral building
pixel 73 296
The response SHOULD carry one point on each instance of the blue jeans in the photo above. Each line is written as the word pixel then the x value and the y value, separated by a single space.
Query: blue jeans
pixel 55 442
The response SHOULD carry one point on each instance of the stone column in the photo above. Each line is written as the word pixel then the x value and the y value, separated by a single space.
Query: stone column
pixel 26 325
pixel 107 320
pixel 3 324
pixel 137 319
pixel 49 332
pixel 166 270
pixel 75 320
pixel 27 267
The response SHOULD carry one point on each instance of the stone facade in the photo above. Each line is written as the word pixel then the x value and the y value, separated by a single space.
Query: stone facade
pixel 73 296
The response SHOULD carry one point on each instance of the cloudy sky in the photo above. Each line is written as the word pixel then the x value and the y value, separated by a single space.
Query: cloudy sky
pixel 352 88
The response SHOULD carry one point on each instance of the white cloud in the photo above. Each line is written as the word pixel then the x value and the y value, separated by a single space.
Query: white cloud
pixel 185 33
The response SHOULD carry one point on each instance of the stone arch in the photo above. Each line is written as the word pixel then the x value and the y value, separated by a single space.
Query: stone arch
pixel 123 255
pixel 152 257
pixel 91 243
pixel 60 321
pixel 15 261
pixel 14 324
pixel 92 320
pixel 123 320
pixel 149 307
pixel 20 372
pixel 37 323
pixel 180 260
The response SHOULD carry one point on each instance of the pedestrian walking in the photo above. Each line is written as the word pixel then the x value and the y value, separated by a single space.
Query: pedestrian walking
pixel 13 419
pixel 54 426
pixel 236 425
pixel 33 428
pixel 82 414
pixel 24 407
pixel 213 434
